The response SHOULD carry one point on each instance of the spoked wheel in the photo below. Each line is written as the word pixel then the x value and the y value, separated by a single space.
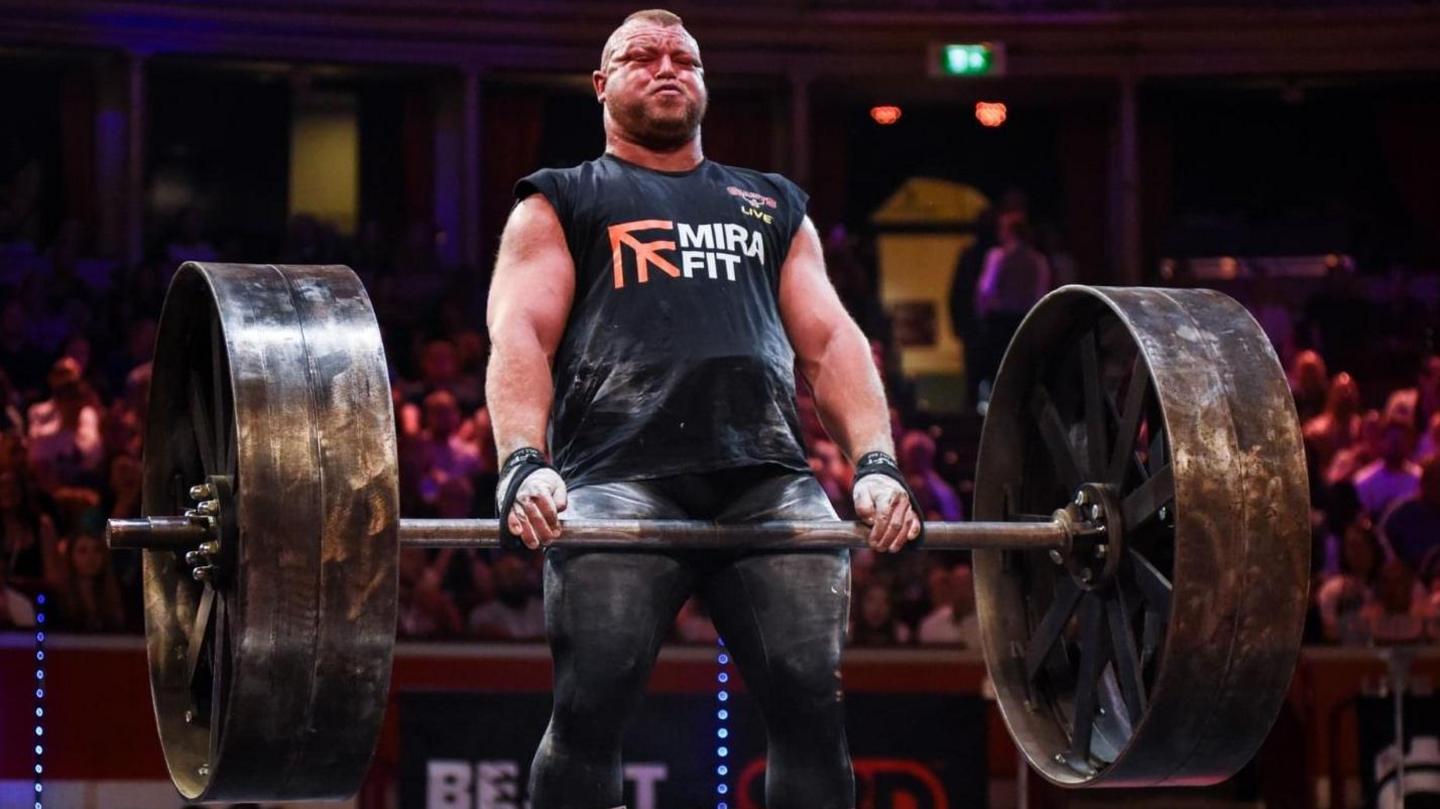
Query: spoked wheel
pixel 236 436
pixel 1158 648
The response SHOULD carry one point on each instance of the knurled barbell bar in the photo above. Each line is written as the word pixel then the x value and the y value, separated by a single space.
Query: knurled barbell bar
pixel 1141 551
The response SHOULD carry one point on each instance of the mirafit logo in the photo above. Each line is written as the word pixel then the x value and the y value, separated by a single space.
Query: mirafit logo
pixel 708 249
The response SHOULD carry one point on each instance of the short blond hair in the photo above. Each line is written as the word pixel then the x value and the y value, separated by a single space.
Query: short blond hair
pixel 656 16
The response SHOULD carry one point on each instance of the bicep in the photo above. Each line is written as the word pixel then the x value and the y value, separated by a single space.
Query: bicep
pixel 534 279
pixel 809 306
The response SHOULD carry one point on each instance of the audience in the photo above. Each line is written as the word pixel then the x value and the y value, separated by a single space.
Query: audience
pixel 953 621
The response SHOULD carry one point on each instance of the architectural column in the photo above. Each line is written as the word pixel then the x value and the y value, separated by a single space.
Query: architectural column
pixel 800 127
pixel 1125 185
pixel 134 193
pixel 470 215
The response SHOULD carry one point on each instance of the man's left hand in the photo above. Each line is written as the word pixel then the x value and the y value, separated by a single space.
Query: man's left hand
pixel 883 504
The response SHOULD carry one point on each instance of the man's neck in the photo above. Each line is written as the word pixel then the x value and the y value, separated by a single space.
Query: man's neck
pixel 684 158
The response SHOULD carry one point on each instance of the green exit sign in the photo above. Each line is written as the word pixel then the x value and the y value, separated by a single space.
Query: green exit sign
pixel 968 59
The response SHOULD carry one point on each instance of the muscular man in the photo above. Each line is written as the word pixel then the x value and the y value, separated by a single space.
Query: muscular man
pixel 647 314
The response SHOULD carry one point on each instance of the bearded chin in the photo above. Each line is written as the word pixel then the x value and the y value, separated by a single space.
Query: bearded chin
pixel 660 134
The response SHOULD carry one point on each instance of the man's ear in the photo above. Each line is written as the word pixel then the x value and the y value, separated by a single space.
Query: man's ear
pixel 598 79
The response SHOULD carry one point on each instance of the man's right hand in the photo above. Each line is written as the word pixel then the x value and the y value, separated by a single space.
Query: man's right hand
pixel 535 517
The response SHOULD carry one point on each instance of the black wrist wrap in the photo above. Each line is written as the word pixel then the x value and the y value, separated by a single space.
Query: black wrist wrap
pixel 521 464
pixel 880 463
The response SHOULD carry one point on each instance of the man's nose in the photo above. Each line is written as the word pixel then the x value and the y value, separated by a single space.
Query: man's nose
pixel 665 67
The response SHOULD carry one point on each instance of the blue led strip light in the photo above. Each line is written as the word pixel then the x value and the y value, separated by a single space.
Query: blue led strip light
pixel 722 731
pixel 39 700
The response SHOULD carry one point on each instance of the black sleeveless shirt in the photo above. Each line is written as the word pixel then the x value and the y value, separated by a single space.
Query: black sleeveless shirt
pixel 674 359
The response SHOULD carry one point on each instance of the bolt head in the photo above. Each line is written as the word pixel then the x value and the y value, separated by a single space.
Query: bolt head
pixel 208 507
pixel 1096 512
pixel 1086 575
pixel 204 491
pixel 210 548
pixel 1082 497
pixel 1163 513
pixel 1056 557
pixel 1101 551
pixel 193 558
pixel 202 573
pixel 189 717
pixel 203 770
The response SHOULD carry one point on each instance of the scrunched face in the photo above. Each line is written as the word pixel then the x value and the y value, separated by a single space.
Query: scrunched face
pixel 653 85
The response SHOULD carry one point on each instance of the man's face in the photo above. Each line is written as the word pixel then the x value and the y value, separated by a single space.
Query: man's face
pixel 653 87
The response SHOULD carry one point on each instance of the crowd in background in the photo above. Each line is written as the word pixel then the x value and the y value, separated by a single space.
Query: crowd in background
pixel 75 359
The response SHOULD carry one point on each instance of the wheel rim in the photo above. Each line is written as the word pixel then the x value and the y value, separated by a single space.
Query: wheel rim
pixel 1145 393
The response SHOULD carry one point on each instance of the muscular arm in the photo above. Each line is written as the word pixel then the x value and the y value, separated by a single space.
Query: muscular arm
pixel 834 354
pixel 530 296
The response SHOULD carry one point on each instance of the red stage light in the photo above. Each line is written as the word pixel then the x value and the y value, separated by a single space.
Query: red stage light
pixel 990 113
pixel 885 115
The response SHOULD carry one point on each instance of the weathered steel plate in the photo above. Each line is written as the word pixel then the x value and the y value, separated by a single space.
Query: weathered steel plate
pixel 273 378
pixel 1171 672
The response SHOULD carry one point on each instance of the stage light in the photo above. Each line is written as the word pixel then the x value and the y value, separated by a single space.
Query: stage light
pixel 885 115
pixel 990 113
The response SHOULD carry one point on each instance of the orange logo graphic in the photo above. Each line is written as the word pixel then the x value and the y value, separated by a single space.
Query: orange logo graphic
pixel 881 783
pixel 646 253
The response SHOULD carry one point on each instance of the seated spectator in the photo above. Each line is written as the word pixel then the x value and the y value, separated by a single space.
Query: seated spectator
pixel 834 474
pixel 439 453
pixel 1412 525
pixel 1342 597
pixel 937 498
pixel 1361 452
pixel 16 611
pixel 517 613
pixel 426 610
pixel 1337 425
pixel 1429 443
pixel 1401 610
pixel 1308 383
pixel 954 623
pixel 874 622
pixel 440 369
pixel 693 623
pixel 189 242
pixel 86 589
pixel 65 443
pixel 12 406
pixel 1392 476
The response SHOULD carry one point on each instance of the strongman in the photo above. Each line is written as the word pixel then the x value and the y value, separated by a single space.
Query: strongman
pixel 648 311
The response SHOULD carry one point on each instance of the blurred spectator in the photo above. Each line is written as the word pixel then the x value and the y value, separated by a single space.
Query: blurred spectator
pixel 517 613
pixel 16 611
pixel 1392 476
pixel 963 319
pixel 65 443
pixel 1015 277
pixel 426 610
pixel 189 242
pixel 441 369
pixel 1401 611
pixel 693 624
pixel 874 622
pixel 439 453
pixel 1342 596
pixel 22 360
pixel 27 532
pixel 853 282
pixel 937 498
pixel 1360 453
pixel 954 622
pixel 1309 382
pixel 1337 425
pixel 86 589
pixel 834 473
pixel 1412 526
pixel 12 414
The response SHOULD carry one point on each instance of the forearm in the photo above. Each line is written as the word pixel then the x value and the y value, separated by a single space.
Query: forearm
pixel 519 391
pixel 850 396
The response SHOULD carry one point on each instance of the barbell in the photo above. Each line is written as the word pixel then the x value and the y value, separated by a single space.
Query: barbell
pixel 1141 549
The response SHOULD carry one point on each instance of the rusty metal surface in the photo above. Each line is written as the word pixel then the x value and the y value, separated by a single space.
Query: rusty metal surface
pixel 295 642
pixel 1171 671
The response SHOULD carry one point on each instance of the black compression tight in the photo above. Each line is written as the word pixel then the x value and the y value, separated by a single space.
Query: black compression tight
pixel 782 616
